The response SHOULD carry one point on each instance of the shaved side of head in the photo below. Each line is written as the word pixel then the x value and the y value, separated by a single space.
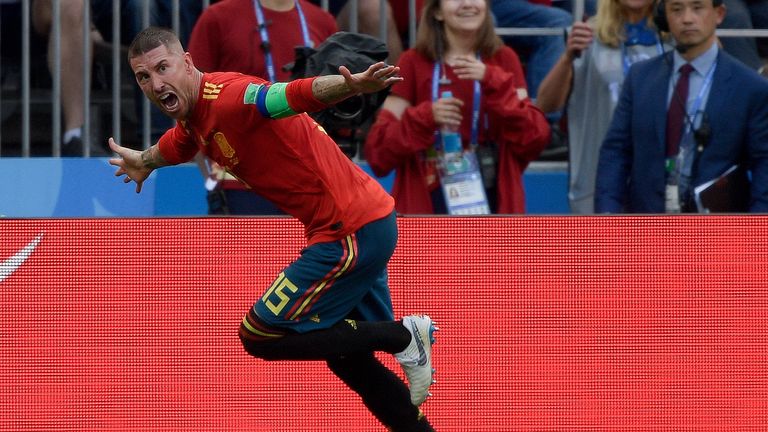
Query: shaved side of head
pixel 153 37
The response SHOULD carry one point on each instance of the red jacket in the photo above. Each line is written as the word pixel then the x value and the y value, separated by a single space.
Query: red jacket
pixel 519 128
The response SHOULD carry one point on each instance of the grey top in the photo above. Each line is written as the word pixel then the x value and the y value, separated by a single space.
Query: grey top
pixel 597 78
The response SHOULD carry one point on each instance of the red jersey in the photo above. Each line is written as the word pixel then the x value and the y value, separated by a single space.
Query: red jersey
pixel 290 161
pixel 226 37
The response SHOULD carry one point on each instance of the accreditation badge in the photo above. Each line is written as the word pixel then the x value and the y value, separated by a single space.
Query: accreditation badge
pixel 463 188
pixel 672 191
pixel 672 199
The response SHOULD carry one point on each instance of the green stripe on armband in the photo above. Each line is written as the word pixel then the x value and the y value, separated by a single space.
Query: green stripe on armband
pixel 251 92
pixel 277 103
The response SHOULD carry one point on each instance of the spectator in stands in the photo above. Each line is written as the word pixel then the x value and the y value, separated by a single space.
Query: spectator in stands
pixel 72 53
pixel 230 36
pixel 71 43
pixel 255 38
pixel 457 50
pixel 587 80
pixel 539 52
pixel 684 119
pixel 401 14
pixel 747 15
pixel 369 17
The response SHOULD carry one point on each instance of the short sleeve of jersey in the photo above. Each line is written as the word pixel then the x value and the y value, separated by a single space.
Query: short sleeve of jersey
pixel 177 146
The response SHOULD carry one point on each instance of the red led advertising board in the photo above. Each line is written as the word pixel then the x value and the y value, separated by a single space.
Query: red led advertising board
pixel 547 324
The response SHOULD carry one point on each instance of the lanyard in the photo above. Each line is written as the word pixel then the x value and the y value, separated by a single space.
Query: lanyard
pixel 265 36
pixel 678 161
pixel 700 97
pixel 475 100
pixel 625 56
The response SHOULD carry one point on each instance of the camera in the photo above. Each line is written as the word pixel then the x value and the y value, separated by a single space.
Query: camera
pixel 348 121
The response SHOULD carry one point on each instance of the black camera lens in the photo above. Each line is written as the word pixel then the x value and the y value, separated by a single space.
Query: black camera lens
pixel 349 108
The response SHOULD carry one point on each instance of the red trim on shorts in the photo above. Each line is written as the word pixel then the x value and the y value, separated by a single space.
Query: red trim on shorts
pixel 347 261
pixel 353 247
pixel 255 322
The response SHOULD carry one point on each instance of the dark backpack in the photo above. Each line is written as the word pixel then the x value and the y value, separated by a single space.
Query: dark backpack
pixel 348 121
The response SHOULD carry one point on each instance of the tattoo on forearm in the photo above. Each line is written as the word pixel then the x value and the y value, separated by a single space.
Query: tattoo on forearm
pixel 330 88
pixel 151 158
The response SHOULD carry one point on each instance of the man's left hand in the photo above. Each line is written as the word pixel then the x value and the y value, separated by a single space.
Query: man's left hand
pixel 376 78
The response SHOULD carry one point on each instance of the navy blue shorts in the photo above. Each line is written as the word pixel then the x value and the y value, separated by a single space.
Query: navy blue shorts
pixel 333 281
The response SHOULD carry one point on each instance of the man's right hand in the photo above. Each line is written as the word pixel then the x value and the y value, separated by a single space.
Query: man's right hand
pixel 129 164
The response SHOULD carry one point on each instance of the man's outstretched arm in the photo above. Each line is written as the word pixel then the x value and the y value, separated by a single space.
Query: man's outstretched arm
pixel 280 100
pixel 331 89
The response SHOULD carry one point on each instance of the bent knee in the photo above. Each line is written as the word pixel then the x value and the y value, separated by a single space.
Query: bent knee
pixel 253 345
pixel 256 337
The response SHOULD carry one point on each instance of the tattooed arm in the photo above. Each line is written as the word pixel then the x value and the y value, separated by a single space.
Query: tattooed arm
pixel 280 100
pixel 334 88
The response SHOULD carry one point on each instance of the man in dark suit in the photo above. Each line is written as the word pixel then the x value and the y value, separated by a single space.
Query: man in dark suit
pixel 655 154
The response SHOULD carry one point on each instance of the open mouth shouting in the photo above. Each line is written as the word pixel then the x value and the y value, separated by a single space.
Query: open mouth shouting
pixel 169 102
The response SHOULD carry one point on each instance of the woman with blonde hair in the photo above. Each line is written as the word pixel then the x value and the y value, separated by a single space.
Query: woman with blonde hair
pixel 501 131
pixel 587 80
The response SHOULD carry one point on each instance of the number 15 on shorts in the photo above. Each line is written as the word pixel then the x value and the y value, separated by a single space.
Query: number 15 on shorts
pixel 275 299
